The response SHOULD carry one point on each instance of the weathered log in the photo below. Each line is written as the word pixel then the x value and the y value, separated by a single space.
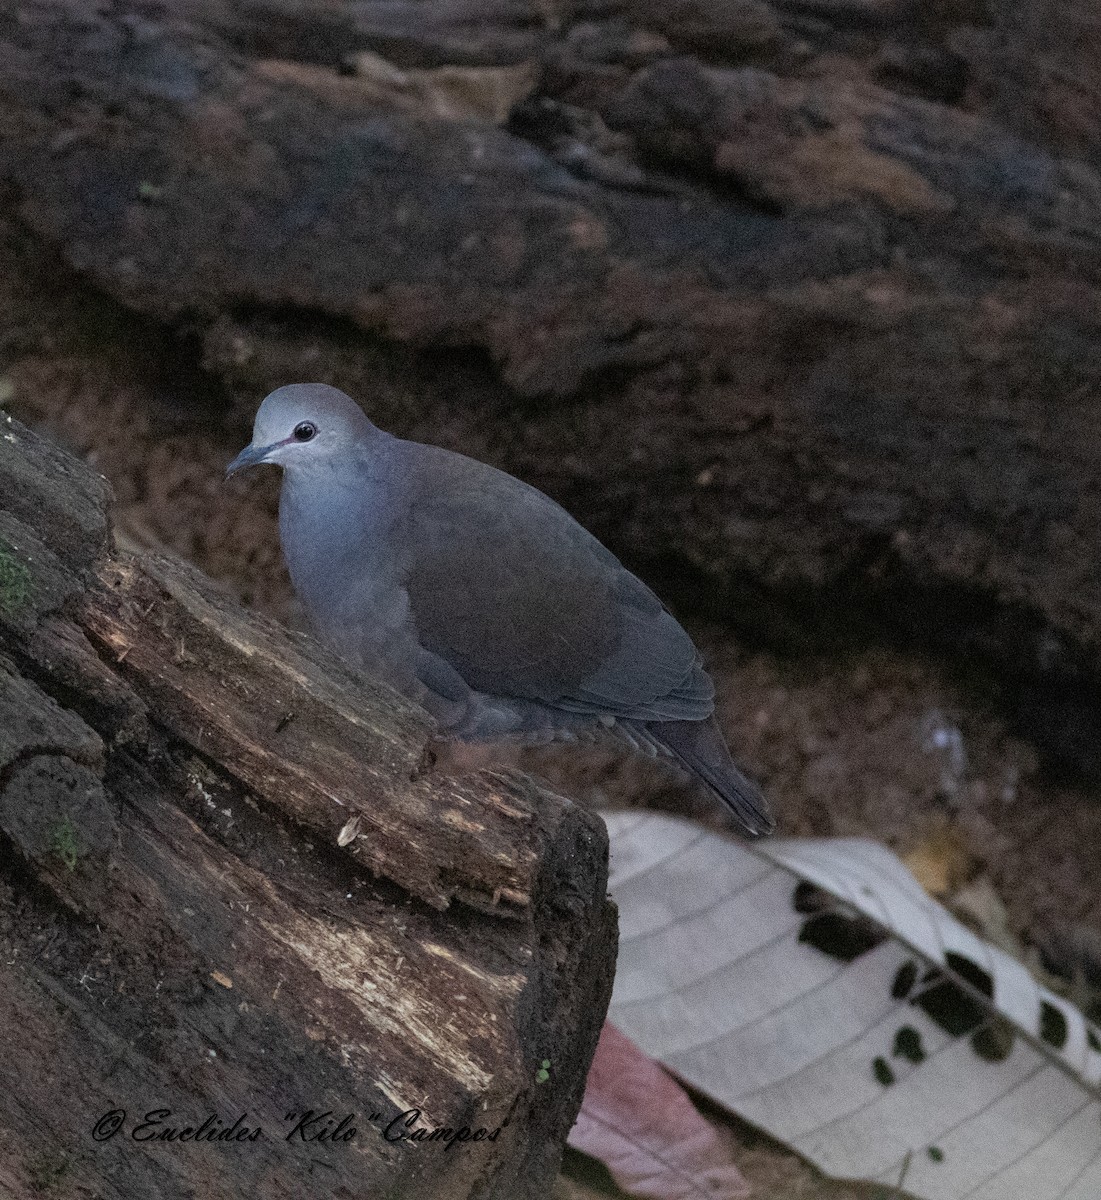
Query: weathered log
pixel 820 268
pixel 233 885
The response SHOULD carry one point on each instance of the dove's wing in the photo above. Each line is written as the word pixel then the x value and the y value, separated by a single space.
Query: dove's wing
pixel 522 602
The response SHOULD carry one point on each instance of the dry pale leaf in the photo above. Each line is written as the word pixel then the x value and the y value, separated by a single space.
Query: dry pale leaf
pixel 813 987
pixel 941 862
pixel 641 1124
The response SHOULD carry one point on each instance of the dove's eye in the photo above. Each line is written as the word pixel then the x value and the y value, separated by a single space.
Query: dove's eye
pixel 304 431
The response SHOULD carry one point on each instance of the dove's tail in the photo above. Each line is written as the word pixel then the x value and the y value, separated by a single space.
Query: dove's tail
pixel 700 746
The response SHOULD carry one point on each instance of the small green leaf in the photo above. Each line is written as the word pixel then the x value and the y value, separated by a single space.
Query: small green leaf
pixel 15 581
pixel 64 843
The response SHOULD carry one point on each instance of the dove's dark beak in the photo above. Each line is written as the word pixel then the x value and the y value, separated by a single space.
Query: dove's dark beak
pixel 250 456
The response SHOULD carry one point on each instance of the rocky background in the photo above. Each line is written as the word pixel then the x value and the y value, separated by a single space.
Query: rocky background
pixel 795 304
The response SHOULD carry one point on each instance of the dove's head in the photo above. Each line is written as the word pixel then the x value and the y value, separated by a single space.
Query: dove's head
pixel 304 427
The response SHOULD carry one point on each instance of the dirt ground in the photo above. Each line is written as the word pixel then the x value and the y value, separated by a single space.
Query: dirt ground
pixel 878 743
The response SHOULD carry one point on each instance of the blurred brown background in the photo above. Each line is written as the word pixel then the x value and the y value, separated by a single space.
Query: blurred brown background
pixel 795 304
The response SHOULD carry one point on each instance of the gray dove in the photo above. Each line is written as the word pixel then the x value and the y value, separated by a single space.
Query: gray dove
pixel 480 597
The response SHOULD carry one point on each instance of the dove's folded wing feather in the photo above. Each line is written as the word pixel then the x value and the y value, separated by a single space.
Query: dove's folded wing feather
pixel 522 601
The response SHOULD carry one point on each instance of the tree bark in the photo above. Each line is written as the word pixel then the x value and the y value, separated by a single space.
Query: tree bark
pixel 233 886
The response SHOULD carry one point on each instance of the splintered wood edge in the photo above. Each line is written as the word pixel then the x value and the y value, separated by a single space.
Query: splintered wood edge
pixel 348 765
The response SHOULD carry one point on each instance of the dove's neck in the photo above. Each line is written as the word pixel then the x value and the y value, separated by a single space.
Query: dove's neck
pixel 334 525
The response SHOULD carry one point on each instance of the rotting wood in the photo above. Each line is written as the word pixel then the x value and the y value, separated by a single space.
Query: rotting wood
pixel 181 929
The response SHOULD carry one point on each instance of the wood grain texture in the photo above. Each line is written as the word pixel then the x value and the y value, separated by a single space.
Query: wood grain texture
pixel 231 882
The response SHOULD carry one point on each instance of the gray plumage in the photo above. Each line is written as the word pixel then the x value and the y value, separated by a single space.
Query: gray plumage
pixel 479 596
